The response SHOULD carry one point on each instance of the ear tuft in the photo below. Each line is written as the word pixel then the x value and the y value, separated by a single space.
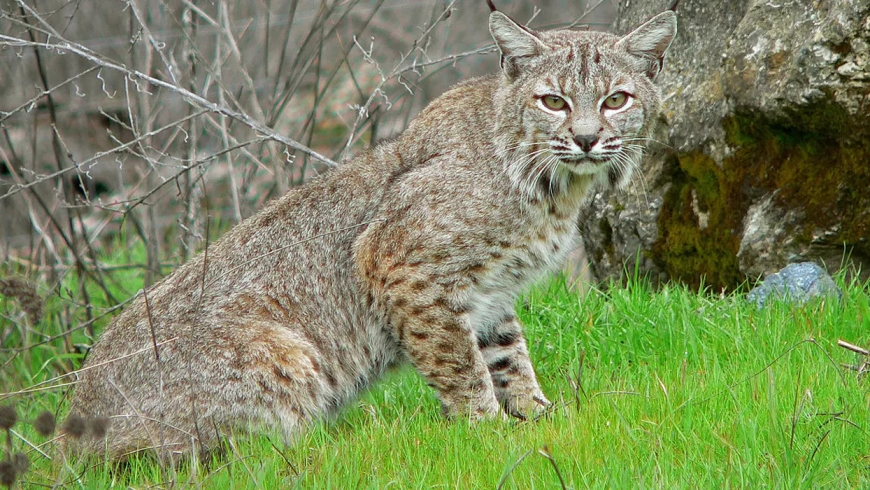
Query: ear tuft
pixel 514 41
pixel 650 40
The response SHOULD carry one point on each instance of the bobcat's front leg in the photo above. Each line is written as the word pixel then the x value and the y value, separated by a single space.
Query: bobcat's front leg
pixel 505 353
pixel 442 348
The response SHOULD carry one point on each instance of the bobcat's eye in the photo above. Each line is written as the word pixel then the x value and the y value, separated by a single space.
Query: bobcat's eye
pixel 554 102
pixel 616 101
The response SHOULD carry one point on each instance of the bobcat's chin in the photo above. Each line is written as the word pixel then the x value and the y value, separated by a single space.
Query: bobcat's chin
pixel 608 172
pixel 589 165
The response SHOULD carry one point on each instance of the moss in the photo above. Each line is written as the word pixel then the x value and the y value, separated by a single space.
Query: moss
pixel 689 252
pixel 818 160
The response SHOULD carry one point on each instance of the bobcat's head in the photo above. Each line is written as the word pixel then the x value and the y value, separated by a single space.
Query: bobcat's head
pixel 576 103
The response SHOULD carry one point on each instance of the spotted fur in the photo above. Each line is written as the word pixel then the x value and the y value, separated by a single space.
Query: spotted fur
pixel 415 251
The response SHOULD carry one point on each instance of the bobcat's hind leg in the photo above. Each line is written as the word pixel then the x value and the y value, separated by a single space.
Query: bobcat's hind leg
pixel 507 357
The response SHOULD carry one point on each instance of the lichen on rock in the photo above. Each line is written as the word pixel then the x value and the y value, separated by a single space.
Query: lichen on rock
pixel 797 284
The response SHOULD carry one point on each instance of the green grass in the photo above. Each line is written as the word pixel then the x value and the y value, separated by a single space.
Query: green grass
pixel 664 389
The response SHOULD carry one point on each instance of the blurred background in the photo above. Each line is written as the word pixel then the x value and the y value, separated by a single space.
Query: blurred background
pixel 148 123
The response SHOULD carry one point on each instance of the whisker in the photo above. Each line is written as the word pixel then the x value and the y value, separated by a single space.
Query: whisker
pixel 523 170
pixel 631 161
pixel 647 141
pixel 535 174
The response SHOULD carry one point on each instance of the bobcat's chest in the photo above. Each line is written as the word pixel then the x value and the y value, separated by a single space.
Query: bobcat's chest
pixel 530 254
pixel 536 252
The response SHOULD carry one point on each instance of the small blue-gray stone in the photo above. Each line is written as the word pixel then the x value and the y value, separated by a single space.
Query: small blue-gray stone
pixel 795 283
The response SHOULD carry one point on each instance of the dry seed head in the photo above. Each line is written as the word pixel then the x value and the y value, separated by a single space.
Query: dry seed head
pixel 25 292
pixel 8 417
pixel 98 427
pixel 74 426
pixel 7 473
pixel 21 463
pixel 45 423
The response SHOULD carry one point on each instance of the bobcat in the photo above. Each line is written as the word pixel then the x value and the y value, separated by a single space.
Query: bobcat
pixel 414 251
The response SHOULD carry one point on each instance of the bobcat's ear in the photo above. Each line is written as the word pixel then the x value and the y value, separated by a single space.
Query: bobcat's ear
pixel 516 43
pixel 649 42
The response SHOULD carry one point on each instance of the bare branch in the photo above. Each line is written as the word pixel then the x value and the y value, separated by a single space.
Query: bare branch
pixel 853 348
pixel 202 102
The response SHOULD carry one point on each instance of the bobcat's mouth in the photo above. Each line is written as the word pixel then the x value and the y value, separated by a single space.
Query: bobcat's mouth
pixel 574 159
pixel 585 164
pixel 613 170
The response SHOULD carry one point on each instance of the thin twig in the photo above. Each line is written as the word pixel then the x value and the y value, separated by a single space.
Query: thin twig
pixel 191 97
pixel 545 452
pixel 510 470
pixel 853 348
pixel 36 387
pixel 362 111
pixel 20 187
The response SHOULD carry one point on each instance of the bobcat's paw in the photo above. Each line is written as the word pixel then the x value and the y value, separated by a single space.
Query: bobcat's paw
pixel 528 408
pixel 485 409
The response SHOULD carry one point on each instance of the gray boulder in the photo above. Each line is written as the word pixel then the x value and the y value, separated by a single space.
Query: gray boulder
pixel 764 154
pixel 796 283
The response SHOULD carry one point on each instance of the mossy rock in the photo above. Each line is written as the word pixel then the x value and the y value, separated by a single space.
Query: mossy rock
pixel 815 163
pixel 766 155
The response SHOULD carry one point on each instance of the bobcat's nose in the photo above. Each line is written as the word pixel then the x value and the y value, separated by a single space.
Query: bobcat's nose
pixel 586 141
